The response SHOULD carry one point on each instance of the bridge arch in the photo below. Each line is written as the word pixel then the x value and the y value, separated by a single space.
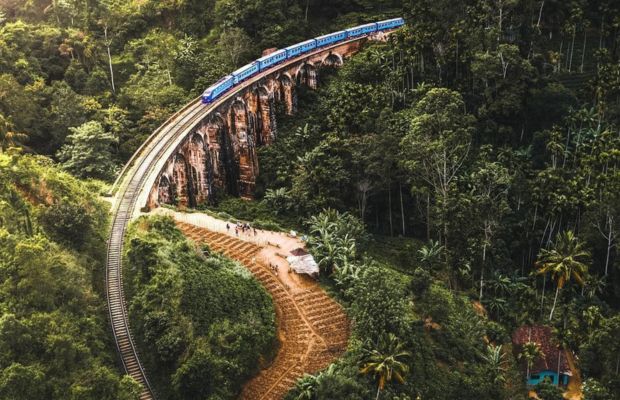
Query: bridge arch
pixel 240 120
pixel 263 92
pixel 287 92
pixel 164 190
pixel 264 124
pixel 307 74
pixel 332 60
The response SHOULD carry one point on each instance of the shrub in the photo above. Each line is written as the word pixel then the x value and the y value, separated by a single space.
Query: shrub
pixel 548 391
pixel 203 325
pixel 69 223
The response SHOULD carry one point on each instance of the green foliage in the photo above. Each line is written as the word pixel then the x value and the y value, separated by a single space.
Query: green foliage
pixel 601 351
pixel 53 327
pixel 593 390
pixel 334 238
pixel 378 303
pixel 21 382
pixel 548 391
pixel 69 223
pixel 204 323
pixel 279 199
pixel 540 157
pixel 386 361
pixel 88 152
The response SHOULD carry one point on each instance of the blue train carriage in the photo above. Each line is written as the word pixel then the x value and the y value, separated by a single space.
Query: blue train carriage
pixel 362 30
pixel 390 24
pixel 331 38
pixel 217 89
pixel 271 59
pixel 300 48
pixel 245 72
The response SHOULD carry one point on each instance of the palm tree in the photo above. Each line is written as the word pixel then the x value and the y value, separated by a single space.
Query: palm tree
pixel 500 284
pixel 430 254
pixel 496 305
pixel 278 199
pixel 496 360
pixel 530 352
pixel 306 386
pixel 593 285
pixel 566 261
pixel 386 362
pixel 334 252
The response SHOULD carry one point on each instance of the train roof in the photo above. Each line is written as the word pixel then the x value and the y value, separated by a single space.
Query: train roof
pixel 399 19
pixel 263 58
pixel 329 34
pixel 223 79
pixel 299 44
pixel 240 70
pixel 362 26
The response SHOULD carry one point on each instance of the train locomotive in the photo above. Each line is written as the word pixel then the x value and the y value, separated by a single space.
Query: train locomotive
pixel 244 73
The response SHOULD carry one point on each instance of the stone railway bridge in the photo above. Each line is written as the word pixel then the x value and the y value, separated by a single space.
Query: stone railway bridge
pixel 219 153
pixel 199 150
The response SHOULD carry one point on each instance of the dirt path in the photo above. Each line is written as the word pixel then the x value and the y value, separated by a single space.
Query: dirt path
pixel 573 391
pixel 312 328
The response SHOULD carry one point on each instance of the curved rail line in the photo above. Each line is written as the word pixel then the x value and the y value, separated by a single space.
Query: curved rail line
pixel 129 186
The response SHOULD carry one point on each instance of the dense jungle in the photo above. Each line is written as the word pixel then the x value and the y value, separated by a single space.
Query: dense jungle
pixel 458 185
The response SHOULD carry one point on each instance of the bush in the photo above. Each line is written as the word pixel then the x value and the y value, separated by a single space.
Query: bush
pixel 378 303
pixel 69 223
pixel 267 225
pixel 593 390
pixel 204 325
pixel 548 391
pixel 53 332
pixel 420 281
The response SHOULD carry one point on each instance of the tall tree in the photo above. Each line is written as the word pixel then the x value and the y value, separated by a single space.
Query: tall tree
pixel 529 353
pixel 489 185
pixel 386 362
pixel 565 261
pixel 437 145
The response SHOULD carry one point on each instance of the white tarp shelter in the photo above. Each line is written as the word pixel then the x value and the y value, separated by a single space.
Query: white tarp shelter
pixel 303 264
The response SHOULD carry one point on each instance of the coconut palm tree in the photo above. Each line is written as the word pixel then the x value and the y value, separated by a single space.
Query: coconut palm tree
pixel 386 362
pixel 530 352
pixel 566 261
pixel 306 386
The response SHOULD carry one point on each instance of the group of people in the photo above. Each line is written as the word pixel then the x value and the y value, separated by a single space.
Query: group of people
pixel 241 227
pixel 274 267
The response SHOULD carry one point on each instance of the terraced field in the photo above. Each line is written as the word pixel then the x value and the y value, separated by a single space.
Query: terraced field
pixel 313 329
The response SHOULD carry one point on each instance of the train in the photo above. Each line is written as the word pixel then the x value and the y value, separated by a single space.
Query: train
pixel 244 73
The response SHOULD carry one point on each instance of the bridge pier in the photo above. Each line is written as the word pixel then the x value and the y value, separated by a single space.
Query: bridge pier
pixel 220 152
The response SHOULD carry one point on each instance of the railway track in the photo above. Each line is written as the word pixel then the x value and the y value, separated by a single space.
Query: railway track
pixel 124 209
